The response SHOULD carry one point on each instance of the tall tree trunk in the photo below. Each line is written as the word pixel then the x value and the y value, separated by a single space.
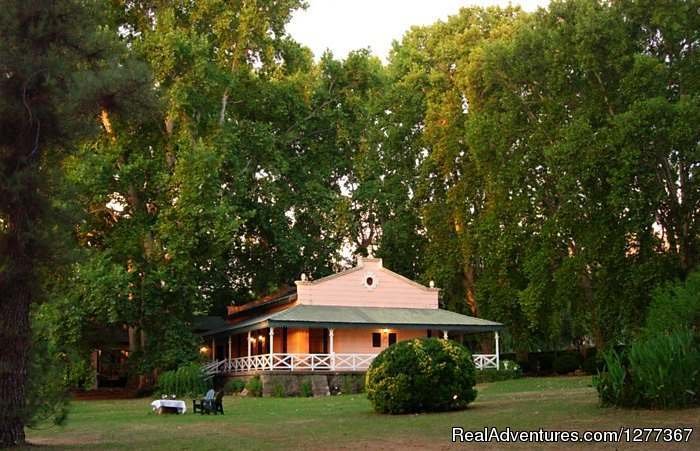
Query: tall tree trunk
pixel 14 342
pixel 468 280
pixel 17 290
pixel 588 293
pixel 143 378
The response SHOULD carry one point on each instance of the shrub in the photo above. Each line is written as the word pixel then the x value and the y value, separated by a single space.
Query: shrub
pixel 538 363
pixel 613 385
pixel 662 371
pixel 666 369
pixel 565 363
pixel 254 386
pixel 234 386
pixel 509 370
pixel 278 391
pixel 187 380
pixel 674 306
pixel 305 389
pixel 421 375
pixel 592 364
pixel 353 383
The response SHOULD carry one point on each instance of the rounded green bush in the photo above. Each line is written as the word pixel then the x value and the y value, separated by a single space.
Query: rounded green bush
pixel 421 375
pixel 565 364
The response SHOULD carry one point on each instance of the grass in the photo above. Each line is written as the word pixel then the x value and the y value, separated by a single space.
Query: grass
pixel 348 421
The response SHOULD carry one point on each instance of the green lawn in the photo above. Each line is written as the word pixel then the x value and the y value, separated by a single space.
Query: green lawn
pixel 348 421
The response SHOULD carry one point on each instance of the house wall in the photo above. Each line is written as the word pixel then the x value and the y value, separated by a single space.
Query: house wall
pixel 278 341
pixel 348 289
pixel 297 341
pixel 347 341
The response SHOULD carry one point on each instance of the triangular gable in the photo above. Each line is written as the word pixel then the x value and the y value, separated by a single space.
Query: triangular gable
pixel 368 284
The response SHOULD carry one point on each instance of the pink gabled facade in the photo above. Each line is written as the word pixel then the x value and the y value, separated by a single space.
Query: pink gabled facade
pixel 368 284
pixel 336 323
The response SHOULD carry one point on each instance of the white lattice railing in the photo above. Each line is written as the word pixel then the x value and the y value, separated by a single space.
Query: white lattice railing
pixel 312 362
pixel 483 361
pixel 215 367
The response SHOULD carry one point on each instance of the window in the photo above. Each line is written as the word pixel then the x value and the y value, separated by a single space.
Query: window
pixel 392 338
pixel 376 340
pixel 370 280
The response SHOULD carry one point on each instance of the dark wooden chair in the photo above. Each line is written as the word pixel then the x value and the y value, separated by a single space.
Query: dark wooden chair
pixel 214 406
pixel 199 405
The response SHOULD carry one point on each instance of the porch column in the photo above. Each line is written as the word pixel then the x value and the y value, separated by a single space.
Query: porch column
pixel 248 343
pixel 213 349
pixel 498 358
pixel 272 345
pixel 330 336
pixel 444 335
pixel 229 347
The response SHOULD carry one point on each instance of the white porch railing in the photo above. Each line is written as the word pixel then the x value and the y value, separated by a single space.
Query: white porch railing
pixel 312 362
pixel 484 361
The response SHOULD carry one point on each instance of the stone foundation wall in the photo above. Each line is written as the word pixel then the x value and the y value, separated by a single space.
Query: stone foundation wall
pixel 308 384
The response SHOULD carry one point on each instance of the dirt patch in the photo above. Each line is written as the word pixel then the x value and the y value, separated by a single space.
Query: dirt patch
pixel 66 441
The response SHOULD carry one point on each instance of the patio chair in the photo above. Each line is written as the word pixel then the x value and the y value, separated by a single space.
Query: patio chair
pixel 198 405
pixel 214 406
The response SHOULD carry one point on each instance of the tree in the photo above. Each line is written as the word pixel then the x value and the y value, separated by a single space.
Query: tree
pixel 429 113
pixel 238 191
pixel 58 64
pixel 549 104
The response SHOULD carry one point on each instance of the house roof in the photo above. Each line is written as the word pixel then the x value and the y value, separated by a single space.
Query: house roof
pixel 355 317
pixel 204 323
pixel 360 266
pixel 284 294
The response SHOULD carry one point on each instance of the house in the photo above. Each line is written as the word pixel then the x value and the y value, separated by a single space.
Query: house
pixel 337 323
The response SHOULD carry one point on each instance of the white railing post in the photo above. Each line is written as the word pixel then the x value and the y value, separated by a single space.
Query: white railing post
pixel 272 346
pixel 330 335
pixel 498 358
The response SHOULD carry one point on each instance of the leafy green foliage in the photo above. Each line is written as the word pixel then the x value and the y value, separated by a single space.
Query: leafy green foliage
pixel 254 386
pixel 48 397
pixel 234 386
pixel 674 306
pixel 509 157
pixel 305 389
pixel 592 364
pixel 421 375
pixel 278 391
pixel 613 384
pixel 352 383
pixel 204 196
pixel 661 371
pixel 566 363
pixel 509 370
pixel 60 63
pixel 185 381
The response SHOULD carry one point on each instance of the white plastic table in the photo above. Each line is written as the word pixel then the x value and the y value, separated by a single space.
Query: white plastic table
pixel 158 405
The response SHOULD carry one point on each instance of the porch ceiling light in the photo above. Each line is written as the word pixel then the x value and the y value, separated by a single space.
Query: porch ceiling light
pixel 386 331
pixel 203 350
pixel 261 338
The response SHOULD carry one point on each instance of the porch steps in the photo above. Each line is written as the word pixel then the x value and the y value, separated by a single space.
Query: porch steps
pixel 319 385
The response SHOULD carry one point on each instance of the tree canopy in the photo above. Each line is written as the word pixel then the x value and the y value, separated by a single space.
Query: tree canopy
pixel 164 159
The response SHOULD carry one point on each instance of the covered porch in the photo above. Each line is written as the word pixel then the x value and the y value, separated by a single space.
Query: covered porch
pixel 309 338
